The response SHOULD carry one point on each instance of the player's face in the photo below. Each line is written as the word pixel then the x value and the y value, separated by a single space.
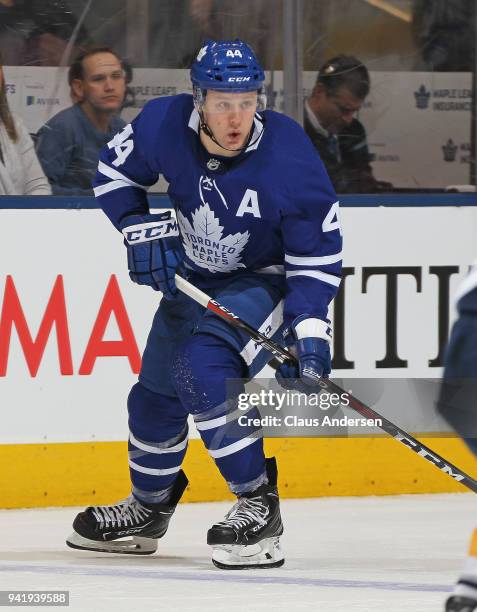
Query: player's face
pixel 230 116
pixel 336 110
pixel 104 83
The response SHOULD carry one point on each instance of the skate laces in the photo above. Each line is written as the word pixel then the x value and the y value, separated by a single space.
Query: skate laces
pixel 245 512
pixel 127 512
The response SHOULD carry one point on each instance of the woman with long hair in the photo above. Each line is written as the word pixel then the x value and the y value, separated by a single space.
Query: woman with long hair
pixel 20 170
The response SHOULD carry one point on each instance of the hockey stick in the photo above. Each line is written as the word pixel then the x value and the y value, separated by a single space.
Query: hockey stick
pixel 281 355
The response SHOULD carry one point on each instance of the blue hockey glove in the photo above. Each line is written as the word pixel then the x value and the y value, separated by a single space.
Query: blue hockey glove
pixel 154 250
pixel 308 339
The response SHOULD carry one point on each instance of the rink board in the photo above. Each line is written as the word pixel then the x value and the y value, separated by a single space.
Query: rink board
pixel 96 473
pixel 63 391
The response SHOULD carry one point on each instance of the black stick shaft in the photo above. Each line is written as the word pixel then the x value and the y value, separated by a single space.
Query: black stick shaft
pixel 281 355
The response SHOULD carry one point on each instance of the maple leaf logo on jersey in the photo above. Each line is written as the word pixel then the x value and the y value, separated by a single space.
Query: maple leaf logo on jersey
pixel 205 244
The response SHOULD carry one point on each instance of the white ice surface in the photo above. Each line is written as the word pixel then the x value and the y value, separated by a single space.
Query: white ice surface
pixel 392 554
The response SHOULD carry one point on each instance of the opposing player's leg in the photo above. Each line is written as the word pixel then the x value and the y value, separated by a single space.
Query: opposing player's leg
pixel 464 597
pixel 203 370
pixel 157 445
pixel 457 405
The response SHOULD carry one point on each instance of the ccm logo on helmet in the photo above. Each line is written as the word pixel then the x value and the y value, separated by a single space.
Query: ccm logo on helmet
pixel 238 79
pixel 233 53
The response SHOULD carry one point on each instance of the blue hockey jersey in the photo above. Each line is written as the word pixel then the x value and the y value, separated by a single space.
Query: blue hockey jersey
pixel 272 209
pixel 467 292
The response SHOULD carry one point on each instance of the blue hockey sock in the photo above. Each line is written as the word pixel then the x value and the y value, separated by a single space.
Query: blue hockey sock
pixel 157 443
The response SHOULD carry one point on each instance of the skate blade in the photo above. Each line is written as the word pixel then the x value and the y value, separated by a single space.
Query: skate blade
pixel 460 604
pixel 131 546
pixel 263 555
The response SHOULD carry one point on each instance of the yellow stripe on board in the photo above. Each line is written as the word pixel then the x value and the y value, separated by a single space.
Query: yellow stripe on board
pixel 85 473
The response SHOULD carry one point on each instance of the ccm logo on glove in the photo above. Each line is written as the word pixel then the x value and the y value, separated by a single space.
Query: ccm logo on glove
pixel 144 232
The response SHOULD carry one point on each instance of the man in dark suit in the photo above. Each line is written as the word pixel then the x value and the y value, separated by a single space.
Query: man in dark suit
pixel 339 92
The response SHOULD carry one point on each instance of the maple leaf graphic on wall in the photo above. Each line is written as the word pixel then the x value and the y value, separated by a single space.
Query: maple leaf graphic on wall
pixel 205 244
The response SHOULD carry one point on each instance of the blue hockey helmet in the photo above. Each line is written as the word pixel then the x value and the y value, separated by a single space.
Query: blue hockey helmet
pixel 227 65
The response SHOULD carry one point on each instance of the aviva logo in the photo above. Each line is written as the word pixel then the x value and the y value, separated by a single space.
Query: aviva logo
pixel 32 100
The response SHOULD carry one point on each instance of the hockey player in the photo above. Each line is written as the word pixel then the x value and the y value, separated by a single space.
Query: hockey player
pixel 258 228
pixel 457 405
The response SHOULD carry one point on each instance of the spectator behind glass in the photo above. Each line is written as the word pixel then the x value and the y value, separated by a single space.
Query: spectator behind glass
pixel 443 31
pixel 68 145
pixel 341 87
pixel 37 32
pixel 20 171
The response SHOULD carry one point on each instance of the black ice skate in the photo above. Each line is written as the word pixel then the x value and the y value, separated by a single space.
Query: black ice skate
pixel 461 604
pixel 128 527
pixel 249 535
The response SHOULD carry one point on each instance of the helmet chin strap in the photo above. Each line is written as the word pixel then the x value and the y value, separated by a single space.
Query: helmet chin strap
pixel 206 129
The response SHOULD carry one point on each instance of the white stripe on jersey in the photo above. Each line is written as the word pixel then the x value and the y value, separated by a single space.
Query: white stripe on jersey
pixel 118 179
pixel 278 269
pixel 326 278
pixel 194 121
pixel 102 189
pixel 325 260
pixel 273 322
pixel 158 450
pixel 257 134
pixel 152 471
pixel 211 423
pixel 235 447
